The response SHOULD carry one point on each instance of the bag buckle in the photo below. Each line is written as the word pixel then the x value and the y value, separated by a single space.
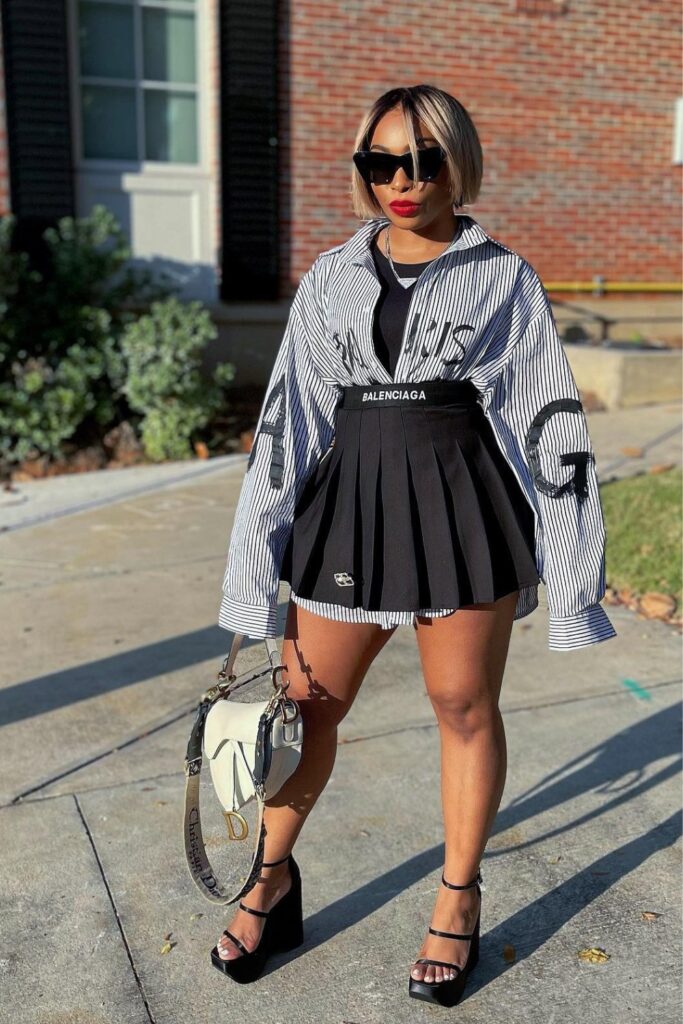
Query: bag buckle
pixel 223 682
pixel 218 689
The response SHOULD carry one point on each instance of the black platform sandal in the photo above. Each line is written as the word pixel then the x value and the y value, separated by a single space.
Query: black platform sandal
pixel 448 991
pixel 283 930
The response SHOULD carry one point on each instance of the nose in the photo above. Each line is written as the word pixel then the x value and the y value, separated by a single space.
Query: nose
pixel 402 178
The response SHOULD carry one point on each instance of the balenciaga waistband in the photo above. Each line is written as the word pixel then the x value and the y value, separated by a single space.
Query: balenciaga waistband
pixel 456 393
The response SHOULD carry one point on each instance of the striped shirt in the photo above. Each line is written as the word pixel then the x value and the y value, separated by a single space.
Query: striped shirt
pixel 480 312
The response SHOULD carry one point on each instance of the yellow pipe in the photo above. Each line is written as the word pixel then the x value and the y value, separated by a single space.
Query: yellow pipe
pixel 612 286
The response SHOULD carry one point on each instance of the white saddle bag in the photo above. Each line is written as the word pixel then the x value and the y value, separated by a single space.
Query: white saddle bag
pixel 252 749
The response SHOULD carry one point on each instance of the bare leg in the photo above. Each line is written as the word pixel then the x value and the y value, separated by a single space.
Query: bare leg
pixel 325 662
pixel 463 659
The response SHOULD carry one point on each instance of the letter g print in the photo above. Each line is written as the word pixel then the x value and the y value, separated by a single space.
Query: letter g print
pixel 578 484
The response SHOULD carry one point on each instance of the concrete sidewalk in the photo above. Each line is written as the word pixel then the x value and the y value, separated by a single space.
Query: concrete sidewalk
pixel 110 612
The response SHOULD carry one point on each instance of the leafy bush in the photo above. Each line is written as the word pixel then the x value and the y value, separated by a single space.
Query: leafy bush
pixel 42 405
pixel 165 383
pixel 76 357
pixel 61 367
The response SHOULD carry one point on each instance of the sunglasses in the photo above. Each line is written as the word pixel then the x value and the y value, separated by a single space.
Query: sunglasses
pixel 379 168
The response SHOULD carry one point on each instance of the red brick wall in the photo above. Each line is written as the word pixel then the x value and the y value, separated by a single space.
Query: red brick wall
pixel 573 101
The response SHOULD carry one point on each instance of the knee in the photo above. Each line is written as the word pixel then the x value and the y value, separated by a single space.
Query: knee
pixel 465 713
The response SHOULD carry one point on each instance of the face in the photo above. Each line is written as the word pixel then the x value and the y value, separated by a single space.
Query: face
pixel 432 198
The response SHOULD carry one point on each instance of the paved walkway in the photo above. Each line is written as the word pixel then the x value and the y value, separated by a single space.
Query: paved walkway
pixel 110 612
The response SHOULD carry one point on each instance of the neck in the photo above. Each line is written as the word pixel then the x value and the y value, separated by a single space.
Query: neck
pixel 418 245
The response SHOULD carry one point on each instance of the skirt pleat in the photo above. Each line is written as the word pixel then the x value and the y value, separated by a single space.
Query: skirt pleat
pixel 470 520
pixel 440 543
pixel 398 566
pixel 511 523
pixel 370 510
pixel 414 507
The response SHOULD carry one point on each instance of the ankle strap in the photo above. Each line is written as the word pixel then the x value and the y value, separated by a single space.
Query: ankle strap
pixel 468 885
pixel 271 863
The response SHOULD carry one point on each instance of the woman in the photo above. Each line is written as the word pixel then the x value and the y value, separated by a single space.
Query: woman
pixel 421 457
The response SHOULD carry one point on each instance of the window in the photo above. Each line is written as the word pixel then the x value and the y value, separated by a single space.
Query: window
pixel 137 76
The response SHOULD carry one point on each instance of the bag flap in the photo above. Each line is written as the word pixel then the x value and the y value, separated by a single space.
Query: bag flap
pixel 235 720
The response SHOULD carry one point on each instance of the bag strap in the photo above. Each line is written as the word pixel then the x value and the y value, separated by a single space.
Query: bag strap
pixel 195 851
pixel 228 664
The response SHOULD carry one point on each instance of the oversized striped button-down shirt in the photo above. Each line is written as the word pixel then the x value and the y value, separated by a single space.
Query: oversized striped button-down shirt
pixel 480 312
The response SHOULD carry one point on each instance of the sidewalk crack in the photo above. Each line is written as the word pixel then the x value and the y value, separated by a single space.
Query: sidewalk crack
pixel 119 922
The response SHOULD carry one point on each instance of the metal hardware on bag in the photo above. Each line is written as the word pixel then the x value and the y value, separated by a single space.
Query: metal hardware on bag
pixel 280 688
pixel 282 683
pixel 193 766
pixel 221 674
pixel 216 691
pixel 279 698
pixel 285 720
pixel 229 815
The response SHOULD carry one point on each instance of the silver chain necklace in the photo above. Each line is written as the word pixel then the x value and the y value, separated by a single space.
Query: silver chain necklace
pixel 387 252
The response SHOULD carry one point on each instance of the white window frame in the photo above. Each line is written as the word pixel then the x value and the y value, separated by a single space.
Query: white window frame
pixel 200 88
pixel 677 149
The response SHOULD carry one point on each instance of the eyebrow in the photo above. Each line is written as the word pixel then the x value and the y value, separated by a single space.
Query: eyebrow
pixel 421 138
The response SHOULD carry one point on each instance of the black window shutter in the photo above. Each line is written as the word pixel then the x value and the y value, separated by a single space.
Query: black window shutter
pixel 35 46
pixel 249 150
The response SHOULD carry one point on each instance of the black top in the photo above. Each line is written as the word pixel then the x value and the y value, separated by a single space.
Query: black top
pixel 392 306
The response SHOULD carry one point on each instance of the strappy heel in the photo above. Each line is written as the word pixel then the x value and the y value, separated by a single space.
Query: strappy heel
pixel 283 930
pixel 448 991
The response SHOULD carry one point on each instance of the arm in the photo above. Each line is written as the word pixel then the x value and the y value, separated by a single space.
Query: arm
pixel 537 413
pixel 295 425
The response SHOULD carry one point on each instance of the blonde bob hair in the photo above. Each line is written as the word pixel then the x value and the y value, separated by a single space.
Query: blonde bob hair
pixel 451 126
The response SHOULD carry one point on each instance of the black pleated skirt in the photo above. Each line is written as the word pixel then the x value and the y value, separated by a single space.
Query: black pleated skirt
pixel 413 506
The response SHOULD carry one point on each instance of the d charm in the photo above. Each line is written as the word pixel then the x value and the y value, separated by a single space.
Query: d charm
pixel 229 815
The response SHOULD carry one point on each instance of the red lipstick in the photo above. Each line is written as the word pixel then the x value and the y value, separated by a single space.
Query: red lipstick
pixel 404 207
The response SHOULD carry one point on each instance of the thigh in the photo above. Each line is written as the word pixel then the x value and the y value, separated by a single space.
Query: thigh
pixel 326 660
pixel 463 654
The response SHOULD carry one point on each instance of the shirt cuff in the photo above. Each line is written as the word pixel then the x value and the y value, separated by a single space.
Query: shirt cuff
pixel 256 621
pixel 589 626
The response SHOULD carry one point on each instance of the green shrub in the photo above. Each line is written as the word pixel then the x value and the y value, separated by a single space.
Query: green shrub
pixel 163 351
pixel 76 357
pixel 61 366
pixel 42 405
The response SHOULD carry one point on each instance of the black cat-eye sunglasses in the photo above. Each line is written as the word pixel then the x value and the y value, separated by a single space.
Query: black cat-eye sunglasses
pixel 379 168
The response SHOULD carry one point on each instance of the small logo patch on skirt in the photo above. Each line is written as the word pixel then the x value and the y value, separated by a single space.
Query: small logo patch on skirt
pixel 343 579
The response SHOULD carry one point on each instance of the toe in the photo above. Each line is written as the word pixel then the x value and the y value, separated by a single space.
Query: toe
pixel 226 949
pixel 418 972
